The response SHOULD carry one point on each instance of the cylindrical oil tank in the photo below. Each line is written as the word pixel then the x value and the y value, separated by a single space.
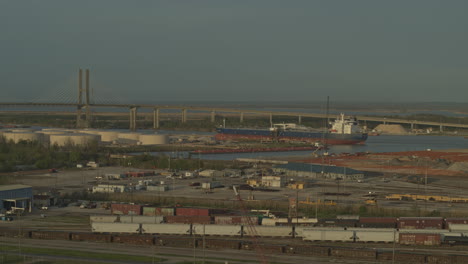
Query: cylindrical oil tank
pixel 53 132
pixel 154 139
pixel 76 139
pixel 108 136
pixel 129 135
pixel 46 133
pixel 20 136
pixel 20 130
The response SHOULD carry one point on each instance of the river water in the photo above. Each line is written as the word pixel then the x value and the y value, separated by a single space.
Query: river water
pixel 374 144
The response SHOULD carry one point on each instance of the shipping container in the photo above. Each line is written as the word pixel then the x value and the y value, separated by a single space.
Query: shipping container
pixel 328 235
pixel 458 227
pixel 91 237
pixel 389 236
pixel 192 211
pixel 57 235
pixel 194 219
pixel 289 221
pixel 235 220
pixel 419 239
pixel 115 228
pixel 347 217
pixel 449 221
pixel 149 211
pixel 420 222
pixel 141 219
pixel 176 229
pixel 217 230
pixel 102 218
pixel 338 222
pixel 134 239
pixel 270 231
pixel 165 211
pixel 126 209
pixel 377 222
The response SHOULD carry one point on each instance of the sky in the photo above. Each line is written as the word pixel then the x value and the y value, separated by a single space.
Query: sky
pixel 235 50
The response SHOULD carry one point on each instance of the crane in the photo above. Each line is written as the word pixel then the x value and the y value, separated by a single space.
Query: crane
pixel 251 229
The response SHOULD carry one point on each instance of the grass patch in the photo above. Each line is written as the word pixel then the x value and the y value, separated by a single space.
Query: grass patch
pixel 82 254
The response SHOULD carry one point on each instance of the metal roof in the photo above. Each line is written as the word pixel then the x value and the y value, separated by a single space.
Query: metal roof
pixel 12 187
pixel 317 168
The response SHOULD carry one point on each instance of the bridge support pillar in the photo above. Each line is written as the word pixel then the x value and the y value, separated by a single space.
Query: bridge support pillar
pixel 156 118
pixel 80 122
pixel 241 120
pixel 299 121
pixel 133 117
pixel 184 115
pixel 213 113
pixel 441 128
pixel 412 126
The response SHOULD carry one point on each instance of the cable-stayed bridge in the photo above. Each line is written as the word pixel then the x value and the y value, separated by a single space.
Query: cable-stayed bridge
pixel 67 101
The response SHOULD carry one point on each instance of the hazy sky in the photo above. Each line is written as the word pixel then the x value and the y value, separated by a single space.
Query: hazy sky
pixel 235 50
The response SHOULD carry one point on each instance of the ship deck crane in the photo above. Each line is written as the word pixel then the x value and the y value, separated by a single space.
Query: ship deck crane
pixel 251 228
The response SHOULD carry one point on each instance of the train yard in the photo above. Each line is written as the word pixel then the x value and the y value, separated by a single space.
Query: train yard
pixel 325 238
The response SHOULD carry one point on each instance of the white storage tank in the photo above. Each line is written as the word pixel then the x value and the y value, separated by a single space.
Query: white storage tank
pixel 154 139
pixel 108 136
pixel 20 130
pixel 74 139
pixel 53 132
pixel 129 135
pixel 20 136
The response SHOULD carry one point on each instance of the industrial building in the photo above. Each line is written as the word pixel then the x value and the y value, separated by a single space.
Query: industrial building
pixel 16 197
pixel 318 171
pixel 109 188
pixel 273 181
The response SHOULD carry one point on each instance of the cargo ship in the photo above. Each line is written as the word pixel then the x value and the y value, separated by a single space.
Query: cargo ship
pixel 343 131
pixel 251 150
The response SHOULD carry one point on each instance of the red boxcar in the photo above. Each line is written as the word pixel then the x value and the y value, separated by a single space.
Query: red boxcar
pixel 126 209
pixel 421 222
pixel 192 211
pixel 419 239
pixel 378 222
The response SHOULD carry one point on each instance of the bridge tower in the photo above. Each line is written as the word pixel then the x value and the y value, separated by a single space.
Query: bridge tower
pixel 86 123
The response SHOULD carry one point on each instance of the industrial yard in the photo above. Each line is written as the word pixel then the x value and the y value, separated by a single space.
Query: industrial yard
pixel 363 206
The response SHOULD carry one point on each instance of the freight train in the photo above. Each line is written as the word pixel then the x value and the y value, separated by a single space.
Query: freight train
pixel 184 215
pixel 338 252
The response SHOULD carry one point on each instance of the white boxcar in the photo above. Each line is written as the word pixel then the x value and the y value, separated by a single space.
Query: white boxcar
pixel 115 228
pixel 178 229
pixel 102 218
pixel 270 231
pixel 376 236
pixel 458 227
pixel 217 230
pixel 141 219
pixel 330 235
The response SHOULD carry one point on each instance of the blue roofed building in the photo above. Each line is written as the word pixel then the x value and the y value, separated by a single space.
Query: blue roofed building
pixel 16 197
pixel 317 171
